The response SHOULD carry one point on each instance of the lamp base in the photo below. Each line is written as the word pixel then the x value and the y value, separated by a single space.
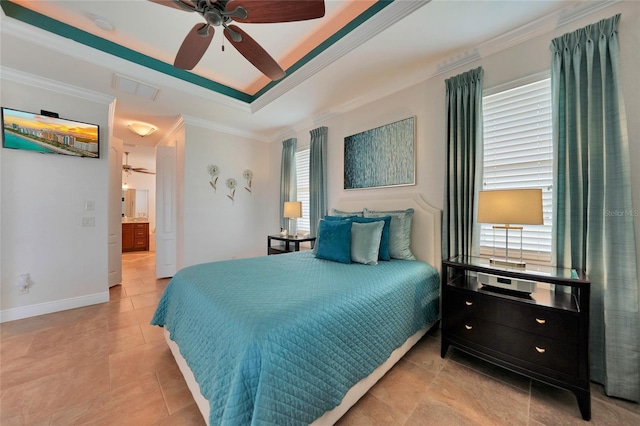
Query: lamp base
pixel 293 227
pixel 508 263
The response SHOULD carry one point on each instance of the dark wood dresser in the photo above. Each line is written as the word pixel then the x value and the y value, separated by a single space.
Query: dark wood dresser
pixel 543 335
pixel 135 236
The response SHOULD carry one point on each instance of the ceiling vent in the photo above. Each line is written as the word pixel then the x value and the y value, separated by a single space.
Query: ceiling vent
pixel 133 87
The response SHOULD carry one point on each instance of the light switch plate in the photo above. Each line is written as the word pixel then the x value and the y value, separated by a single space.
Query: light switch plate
pixel 89 205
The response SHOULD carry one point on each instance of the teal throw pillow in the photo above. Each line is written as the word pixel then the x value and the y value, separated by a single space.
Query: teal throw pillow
pixel 399 231
pixel 334 241
pixel 365 242
pixel 383 253
pixel 328 218
pixel 336 212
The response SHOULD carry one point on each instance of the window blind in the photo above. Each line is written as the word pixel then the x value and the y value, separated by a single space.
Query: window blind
pixel 518 153
pixel 302 170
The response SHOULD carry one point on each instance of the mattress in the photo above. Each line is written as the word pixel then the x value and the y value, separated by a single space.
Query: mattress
pixel 281 339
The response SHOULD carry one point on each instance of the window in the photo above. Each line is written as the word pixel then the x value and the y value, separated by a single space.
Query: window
pixel 518 153
pixel 302 173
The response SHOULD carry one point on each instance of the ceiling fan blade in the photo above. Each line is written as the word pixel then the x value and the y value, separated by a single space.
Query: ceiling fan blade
pixel 255 54
pixel 269 11
pixel 185 5
pixel 193 47
pixel 142 170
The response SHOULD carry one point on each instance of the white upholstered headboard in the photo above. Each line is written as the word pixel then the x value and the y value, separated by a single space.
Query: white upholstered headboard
pixel 425 226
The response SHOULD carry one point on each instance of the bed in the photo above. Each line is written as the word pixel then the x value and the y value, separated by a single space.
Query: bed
pixel 293 339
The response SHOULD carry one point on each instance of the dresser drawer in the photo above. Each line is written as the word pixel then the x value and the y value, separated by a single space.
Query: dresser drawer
pixel 552 323
pixel 556 324
pixel 532 348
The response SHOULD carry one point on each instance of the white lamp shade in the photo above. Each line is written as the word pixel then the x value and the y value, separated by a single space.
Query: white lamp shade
pixel 292 209
pixel 511 206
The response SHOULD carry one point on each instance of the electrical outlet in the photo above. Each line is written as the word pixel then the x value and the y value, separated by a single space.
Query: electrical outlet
pixel 88 221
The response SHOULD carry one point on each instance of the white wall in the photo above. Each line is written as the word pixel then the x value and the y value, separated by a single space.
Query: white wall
pixel 426 101
pixel 43 203
pixel 214 226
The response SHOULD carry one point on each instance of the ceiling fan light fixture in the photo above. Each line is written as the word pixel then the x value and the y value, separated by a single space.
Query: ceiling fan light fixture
pixel 141 129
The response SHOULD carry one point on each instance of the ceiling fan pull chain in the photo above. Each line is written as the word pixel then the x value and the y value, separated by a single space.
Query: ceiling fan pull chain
pixel 223 44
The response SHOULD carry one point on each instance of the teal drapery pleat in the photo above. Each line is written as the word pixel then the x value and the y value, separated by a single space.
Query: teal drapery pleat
pixel 594 212
pixel 288 186
pixel 317 177
pixel 464 159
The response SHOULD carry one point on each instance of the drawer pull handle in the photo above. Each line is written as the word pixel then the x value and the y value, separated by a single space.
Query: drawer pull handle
pixel 540 350
pixel 468 327
pixel 468 303
pixel 540 321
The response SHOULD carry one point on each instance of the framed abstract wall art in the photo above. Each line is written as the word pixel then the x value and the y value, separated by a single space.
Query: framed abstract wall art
pixel 381 157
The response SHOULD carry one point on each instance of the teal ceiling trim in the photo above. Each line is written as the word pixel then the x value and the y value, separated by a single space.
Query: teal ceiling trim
pixel 46 23
pixel 36 19
pixel 359 20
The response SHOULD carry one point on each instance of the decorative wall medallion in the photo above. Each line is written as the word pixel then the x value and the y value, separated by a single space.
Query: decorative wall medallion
pixel 248 176
pixel 232 184
pixel 214 171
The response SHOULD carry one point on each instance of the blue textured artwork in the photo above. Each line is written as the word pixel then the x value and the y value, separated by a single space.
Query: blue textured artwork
pixel 380 157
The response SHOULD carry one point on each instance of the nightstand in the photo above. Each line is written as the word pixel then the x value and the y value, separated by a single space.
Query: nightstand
pixel 291 244
pixel 543 335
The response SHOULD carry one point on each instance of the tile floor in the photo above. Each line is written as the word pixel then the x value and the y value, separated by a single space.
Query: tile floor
pixel 105 365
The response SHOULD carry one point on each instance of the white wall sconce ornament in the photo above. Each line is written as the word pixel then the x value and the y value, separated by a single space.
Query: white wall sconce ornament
pixel 232 184
pixel 248 176
pixel 213 171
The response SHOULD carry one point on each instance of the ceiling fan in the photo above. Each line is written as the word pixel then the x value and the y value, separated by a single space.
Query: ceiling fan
pixel 127 168
pixel 222 12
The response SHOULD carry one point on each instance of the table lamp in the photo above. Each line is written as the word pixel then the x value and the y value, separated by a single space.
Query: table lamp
pixel 508 207
pixel 293 210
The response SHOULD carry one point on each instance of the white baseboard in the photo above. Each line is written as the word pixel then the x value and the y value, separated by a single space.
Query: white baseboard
pixel 21 312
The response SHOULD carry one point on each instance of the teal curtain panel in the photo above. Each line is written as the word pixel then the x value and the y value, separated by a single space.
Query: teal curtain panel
pixel 594 213
pixel 317 177
pixel 288 187
pixel 464 161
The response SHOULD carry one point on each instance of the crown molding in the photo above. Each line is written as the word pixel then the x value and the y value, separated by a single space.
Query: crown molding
pixel 546 24
pixel 541 26
pixel 210 125
pixel 54 86
pixel 170 133
pixel 391 14
pixel 115 64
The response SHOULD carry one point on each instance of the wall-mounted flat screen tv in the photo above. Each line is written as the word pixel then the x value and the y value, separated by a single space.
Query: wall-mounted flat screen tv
pixel 49 135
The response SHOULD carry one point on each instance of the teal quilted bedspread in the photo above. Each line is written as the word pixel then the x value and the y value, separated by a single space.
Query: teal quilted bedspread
pixel 279 340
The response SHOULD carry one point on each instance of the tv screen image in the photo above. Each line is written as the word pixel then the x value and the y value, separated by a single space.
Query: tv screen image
pixel 49 135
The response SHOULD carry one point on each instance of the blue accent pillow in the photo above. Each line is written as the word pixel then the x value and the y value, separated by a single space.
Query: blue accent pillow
pixel 334 241
pixel 365 242
pixel 339 217
pixel 400 231
pixel 383 253
pixel 328 218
